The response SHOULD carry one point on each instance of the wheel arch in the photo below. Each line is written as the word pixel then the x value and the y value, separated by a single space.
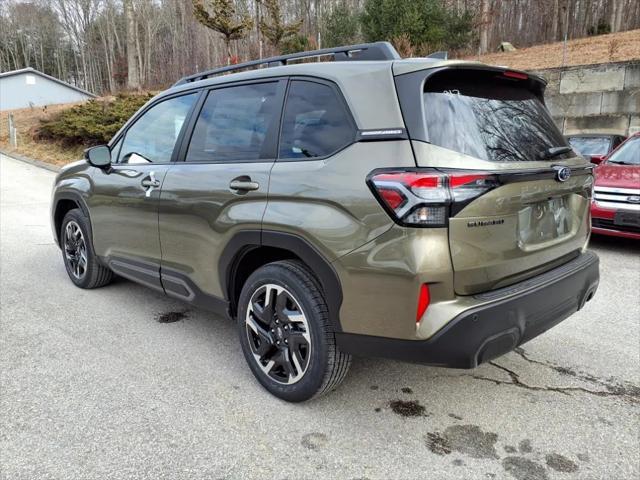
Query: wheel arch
pixel 249 250
pixel 63 203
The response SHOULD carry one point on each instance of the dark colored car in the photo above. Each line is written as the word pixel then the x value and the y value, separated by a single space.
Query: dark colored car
pixel 418 209
pixel 594 145
pixel 615 209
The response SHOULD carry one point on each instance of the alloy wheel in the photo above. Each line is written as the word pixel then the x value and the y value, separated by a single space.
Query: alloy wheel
pixel 75 249
pixel 278 334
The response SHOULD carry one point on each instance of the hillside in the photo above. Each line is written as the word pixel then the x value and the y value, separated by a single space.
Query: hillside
pixel 26 121
pixel 614 47
pixel 59 133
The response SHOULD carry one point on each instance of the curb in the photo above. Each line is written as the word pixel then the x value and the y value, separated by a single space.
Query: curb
pixel 31 161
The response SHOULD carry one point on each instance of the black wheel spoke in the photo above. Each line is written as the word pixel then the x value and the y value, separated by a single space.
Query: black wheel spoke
pixel 297 339
pixel 263 313
pixel 260 332
pixel 281 303
pixel 284 361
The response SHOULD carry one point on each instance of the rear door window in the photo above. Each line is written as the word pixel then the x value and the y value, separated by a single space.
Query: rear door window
pixel 488 116
pixel 236 124
pixel 316 122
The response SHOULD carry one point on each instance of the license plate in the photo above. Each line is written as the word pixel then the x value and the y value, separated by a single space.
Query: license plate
pixel 544 221
pixel 627 219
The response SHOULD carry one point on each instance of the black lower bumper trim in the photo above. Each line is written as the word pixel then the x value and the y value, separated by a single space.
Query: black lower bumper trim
pixel 514 316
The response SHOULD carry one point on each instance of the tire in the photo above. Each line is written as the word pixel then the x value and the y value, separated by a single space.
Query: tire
pixel 79 257
pixel 273 339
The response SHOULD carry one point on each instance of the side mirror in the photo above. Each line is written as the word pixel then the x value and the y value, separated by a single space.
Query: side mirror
pixel 99 156
pixel 597 159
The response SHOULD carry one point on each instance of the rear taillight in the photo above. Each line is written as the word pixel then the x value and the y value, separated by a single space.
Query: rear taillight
pixel 427 198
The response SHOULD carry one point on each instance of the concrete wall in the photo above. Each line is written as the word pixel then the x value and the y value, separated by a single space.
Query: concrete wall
pixel 595 98
pixel 30 89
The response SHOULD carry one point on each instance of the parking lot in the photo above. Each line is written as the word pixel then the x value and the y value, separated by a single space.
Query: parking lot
pixel 98 384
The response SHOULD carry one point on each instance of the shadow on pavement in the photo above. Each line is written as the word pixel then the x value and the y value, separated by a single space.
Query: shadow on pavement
pixel 614 244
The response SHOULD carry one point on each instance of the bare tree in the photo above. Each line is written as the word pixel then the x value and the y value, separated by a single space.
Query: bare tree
pixel 485 23
pixel 133 67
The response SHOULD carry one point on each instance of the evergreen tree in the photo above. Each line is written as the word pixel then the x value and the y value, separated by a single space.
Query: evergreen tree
pixel 274 28
pixel 341 27
pixel 426 23
pixel 221 16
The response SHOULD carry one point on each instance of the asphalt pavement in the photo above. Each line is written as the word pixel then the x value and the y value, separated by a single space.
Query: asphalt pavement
pixel 94 385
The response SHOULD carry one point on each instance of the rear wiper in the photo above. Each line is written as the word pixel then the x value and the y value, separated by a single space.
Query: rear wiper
pixel 553 152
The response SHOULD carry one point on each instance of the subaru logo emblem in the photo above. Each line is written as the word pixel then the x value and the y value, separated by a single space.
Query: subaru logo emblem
pixel 633 199
pixel 562 173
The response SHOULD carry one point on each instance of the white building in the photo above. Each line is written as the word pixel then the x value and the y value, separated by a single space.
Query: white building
pixel 30 88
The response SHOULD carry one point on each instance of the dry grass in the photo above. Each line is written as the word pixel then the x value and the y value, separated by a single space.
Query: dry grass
pixel 26 121
pixel 614 47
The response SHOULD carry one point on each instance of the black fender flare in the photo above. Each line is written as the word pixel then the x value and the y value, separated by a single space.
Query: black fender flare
pixel 245 241
pixel 74 197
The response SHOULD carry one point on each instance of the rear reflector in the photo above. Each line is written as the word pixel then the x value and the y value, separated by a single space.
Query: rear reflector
pixel 392 198
pixel 423 301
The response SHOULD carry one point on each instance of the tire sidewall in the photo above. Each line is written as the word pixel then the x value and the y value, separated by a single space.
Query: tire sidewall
pixel 313 378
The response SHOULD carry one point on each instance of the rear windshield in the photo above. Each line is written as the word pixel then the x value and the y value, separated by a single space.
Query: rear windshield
pixel 590 145
pixel 488 116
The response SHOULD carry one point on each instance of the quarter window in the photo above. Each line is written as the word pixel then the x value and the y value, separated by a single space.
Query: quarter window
pixel 236 123
pixel 316 122
pixel 153 136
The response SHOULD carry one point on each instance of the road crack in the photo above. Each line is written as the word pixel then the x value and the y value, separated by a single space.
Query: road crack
pixel 626 389
pixel 620 392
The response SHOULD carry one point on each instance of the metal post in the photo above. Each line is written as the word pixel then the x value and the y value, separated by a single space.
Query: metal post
pixel 13 138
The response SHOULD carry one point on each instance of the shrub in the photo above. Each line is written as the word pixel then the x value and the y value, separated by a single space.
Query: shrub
pixel 298 43
pixel 91 123
pixel 601 29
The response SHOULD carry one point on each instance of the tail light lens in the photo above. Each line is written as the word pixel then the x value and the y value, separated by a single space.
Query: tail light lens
pixel 427 198
pixel 424 298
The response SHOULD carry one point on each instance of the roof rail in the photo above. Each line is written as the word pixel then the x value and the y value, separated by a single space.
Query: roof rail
pixel 365 51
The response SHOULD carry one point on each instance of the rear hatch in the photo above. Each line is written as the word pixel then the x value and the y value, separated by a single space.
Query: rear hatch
pixel 519 196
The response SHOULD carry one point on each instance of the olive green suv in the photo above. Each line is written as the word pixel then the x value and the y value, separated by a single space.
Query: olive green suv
pixel 418 209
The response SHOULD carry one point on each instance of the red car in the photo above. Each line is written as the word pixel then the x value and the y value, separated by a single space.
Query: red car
pixel 615 209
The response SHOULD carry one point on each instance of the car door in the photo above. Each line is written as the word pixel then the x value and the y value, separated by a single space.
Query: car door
pixel 219 187
pixel 124 201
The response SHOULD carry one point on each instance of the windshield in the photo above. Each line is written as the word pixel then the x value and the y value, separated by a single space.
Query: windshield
pixel 489 116
pixel 590 145
pixel 628 154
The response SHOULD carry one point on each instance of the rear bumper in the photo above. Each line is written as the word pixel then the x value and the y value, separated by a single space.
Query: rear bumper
pixel 510 317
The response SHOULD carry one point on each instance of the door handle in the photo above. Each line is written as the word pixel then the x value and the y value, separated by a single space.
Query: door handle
pixel 149 183
pixel 243 184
